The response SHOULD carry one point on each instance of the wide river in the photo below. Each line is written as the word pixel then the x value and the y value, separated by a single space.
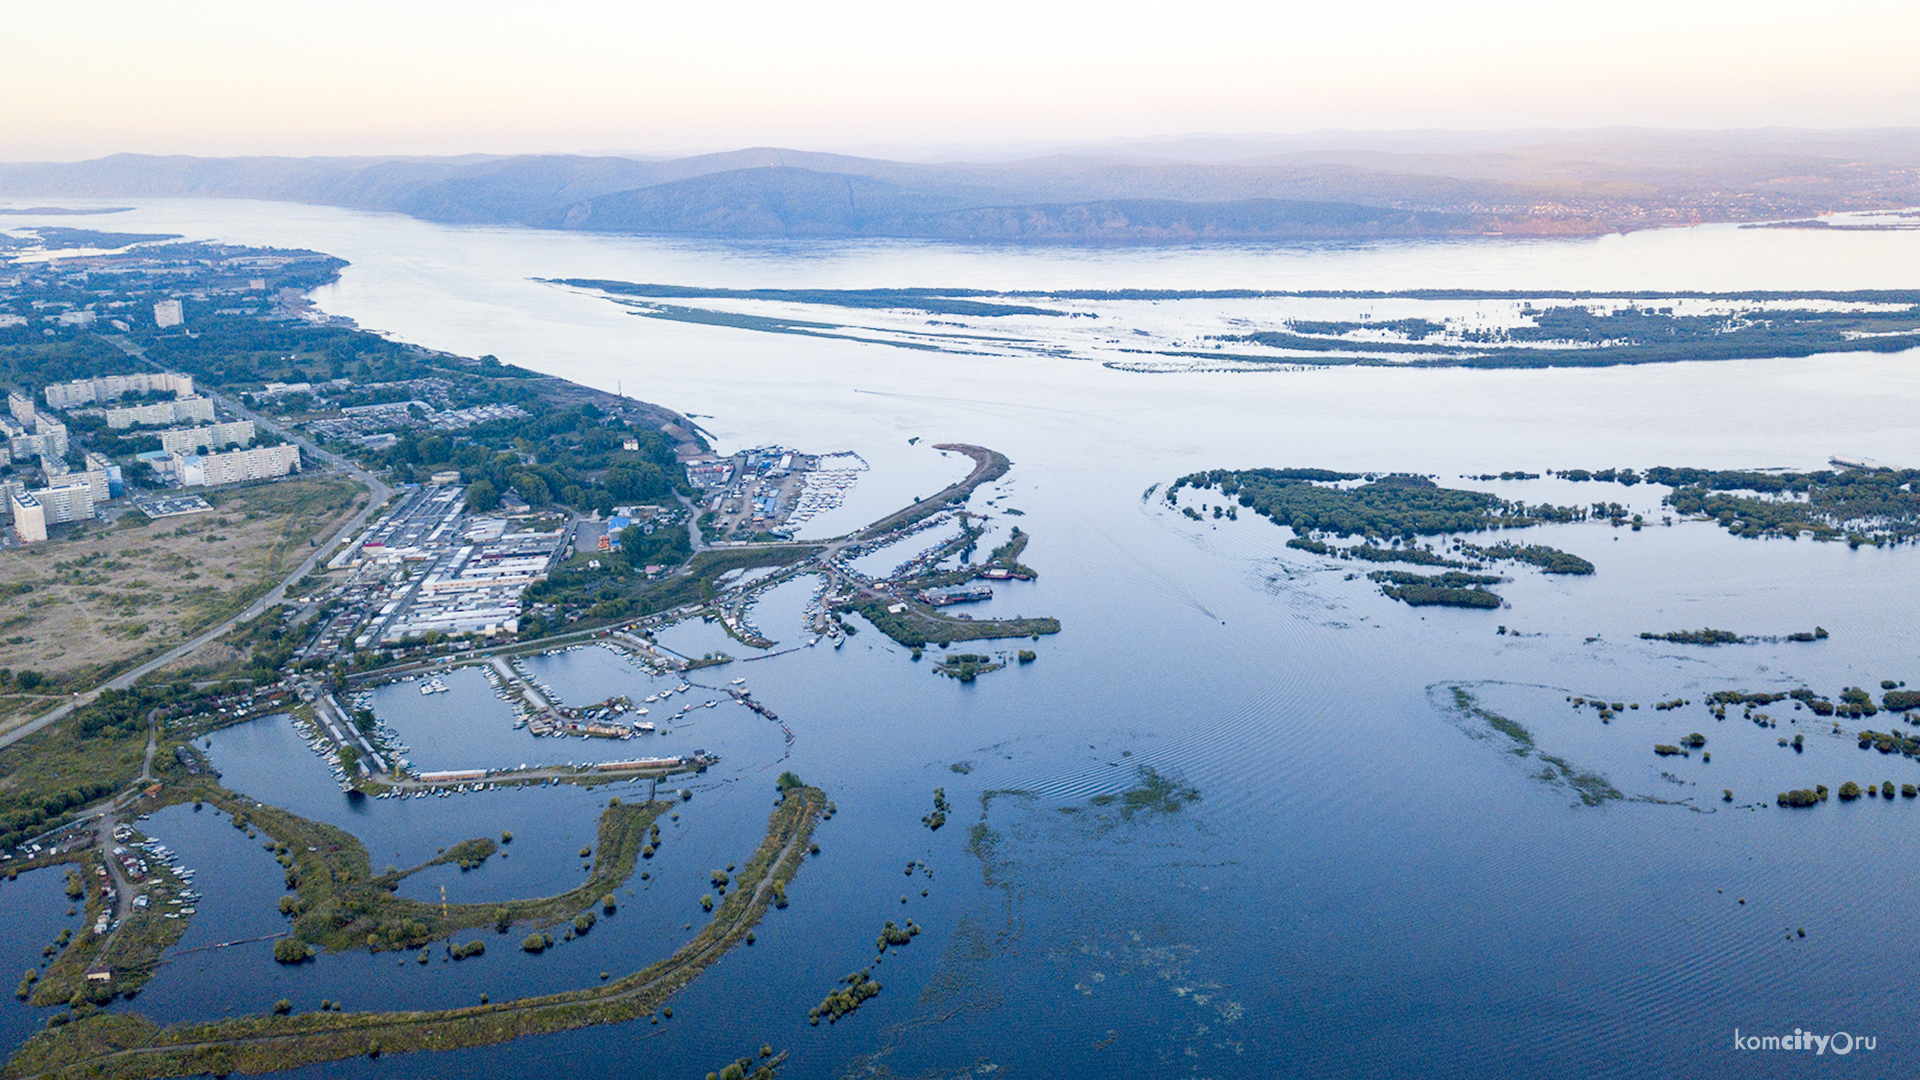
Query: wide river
pixel 1368 883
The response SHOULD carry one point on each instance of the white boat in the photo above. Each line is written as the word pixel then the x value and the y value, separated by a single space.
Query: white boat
pixel 739 682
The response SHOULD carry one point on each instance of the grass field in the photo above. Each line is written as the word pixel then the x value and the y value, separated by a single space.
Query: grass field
pixel 99 597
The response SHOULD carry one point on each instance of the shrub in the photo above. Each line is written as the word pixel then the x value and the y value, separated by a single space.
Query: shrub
pixel 291 950
pixel 1849 791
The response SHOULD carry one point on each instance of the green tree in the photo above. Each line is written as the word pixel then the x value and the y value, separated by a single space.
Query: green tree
pixel 482 496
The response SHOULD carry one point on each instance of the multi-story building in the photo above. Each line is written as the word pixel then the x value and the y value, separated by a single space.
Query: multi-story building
pixel 67 499
pixel 180 410
pixel 21 406
pixel 29 518
pixel 212 437
pixel 167 313
pixel 108 387
pixel 48 441
pixel 236 466
pixel 112 478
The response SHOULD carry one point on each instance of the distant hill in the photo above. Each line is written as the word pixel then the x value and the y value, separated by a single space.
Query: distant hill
pixel 1327 186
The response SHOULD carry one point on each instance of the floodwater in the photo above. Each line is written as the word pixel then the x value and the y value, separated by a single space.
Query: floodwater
pixel 1368 882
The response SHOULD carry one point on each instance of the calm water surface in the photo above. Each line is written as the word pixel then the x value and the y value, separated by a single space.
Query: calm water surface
pixel 1367 884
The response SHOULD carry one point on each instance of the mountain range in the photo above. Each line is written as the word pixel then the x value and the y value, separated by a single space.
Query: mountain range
pixel 1326 186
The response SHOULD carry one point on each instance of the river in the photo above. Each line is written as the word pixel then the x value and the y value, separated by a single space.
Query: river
pixel 1366 885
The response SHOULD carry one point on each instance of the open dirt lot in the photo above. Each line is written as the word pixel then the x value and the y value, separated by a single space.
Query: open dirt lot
pixel 91 600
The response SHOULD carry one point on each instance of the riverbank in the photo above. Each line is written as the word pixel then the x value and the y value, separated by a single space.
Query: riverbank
pixel 129 1047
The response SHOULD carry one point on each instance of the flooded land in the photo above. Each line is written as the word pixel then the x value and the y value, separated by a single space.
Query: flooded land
pixel 1230 661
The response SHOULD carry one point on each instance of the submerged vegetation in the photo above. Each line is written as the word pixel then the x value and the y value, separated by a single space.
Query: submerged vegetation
pixel 938 817
pixel 854 991
pixel 1858 505
pixel 967 666
pixel 125 1046
pixel 1549 560
pixel 1710 636
pixel 1152 793
pixel 1389 513
pixel 1592 788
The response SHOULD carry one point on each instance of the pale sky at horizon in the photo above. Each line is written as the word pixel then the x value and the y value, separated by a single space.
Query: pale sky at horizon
pixel 84 78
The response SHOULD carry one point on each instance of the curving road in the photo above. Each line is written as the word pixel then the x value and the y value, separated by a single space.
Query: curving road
pixel 379 494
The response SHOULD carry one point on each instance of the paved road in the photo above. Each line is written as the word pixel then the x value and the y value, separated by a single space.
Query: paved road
pixel 380 492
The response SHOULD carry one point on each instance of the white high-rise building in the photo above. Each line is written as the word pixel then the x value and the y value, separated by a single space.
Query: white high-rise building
pixel 29 518
pixel 48 442
pixel 108 387
pixel 21 406
pixel 67 499
pixel 167 313
pixel 237 466
pixel 212 437
pixel 180 410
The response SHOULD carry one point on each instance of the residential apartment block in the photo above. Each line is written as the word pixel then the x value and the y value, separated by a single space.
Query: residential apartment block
pixel 109 387
pixel 180 410
pixel 212 437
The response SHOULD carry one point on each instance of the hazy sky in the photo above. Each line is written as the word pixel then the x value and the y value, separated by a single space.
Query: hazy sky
pixel 80 78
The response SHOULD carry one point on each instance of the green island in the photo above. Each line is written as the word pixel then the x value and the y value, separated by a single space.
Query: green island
pixel 1390 512
pixel 1851 502
pixel 967 667
pixel 123 1045
pixel 1548 329
pixel 1710 636
pixel 900 607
